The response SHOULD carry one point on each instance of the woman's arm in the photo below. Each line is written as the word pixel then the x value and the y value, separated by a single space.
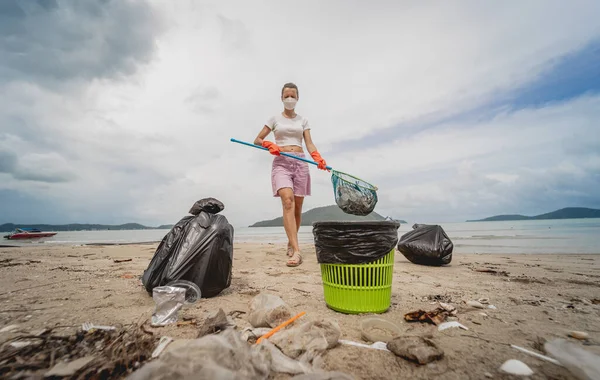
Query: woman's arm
pixel 312 149
pixel 309 143
pixel 263 133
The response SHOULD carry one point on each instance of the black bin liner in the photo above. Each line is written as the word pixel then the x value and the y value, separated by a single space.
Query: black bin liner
pixel 354 242
pixel 198 248
pixel 426 245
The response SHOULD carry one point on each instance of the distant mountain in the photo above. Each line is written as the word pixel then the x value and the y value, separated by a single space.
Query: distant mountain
pixel 320 214
pixel 8 227
pixel 564 213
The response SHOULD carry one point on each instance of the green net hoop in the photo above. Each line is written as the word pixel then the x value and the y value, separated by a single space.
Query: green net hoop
pixel 353 195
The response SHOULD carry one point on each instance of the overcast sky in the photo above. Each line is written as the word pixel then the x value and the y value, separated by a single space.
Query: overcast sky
pixel 121 111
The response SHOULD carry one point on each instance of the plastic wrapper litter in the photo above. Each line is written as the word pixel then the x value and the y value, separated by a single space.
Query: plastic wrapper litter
pixel 198 248
pixel 227 357
pixel 354 242
pixel 426 245
pixel 267 310
pixel 169 300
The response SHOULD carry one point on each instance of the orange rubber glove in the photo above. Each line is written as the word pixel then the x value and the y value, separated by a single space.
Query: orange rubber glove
pixel 273 148
pixel 319 160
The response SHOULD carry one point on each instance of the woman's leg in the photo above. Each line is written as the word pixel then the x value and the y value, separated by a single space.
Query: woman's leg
pixel 289 220
pixel 298 216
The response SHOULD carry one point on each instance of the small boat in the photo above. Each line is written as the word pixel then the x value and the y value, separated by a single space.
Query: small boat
pixel 28 233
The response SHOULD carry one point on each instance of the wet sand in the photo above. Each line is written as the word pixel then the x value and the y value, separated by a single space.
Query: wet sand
pixel 536 297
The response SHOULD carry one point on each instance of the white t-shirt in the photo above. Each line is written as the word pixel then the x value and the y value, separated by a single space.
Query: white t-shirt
pixel 288 131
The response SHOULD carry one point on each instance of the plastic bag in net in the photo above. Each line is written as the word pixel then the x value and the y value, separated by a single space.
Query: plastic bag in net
pixel 354 196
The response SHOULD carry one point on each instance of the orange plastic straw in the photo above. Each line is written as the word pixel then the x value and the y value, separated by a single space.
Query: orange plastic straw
pixel 267 335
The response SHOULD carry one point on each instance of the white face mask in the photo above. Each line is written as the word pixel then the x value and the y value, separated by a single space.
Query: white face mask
pixel 290 103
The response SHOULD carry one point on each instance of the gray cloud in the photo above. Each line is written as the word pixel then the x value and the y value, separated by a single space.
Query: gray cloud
pixel 234 33
pixel 54 41
pixel 202 99
pixel 9 164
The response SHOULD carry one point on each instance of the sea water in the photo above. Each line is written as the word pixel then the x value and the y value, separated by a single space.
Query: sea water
pixel 529 236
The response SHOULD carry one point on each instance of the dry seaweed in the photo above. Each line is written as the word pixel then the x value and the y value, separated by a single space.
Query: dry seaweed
pixel 116 353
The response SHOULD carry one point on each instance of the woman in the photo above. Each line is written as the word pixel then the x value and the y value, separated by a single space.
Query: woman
pixel 290 178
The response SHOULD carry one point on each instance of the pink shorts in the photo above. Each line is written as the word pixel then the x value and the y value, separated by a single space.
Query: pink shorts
pixel 288 172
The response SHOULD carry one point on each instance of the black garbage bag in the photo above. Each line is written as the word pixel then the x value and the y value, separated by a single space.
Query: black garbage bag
pixel 426 245
pixel 198 248
pixel 354 242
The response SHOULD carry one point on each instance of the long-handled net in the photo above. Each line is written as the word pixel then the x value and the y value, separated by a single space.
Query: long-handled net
pixel 353 195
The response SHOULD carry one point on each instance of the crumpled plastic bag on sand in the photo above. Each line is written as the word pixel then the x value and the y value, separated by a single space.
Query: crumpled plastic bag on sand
pixel 227 357
pixel 267 310
pixel 309 340
pixel 583 364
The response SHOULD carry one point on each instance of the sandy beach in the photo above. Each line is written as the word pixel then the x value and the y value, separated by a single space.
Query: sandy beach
pixel 537 297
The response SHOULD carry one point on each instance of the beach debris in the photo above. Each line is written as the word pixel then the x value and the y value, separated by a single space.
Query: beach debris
pixel 95 354
pixel 128 276
pixel 214 322
pixel 222 356
pixel 378 330
pixel 595 301
pixel 268 310
pixel 540 356
pixel 438 298
pixel 308 341
pixel 492 271
pixel 21 344
pixel 448 325
pixel 516 367
pixel 447 307
pixel 435 316
pixel 280 327
pixel 169 300
pixel 492 307
pixel 305 292
pixel 581 335
pixel 375 345
pixel 484 301
pixel 87 326
pixel 210 357
pixel 63 369
pixel 9 328
pixel 417 349
pixel 250 334
pixel 192 290
pixel 333 375
pixel 583 364
pixel 121 260
pixel 488 375
pixel 162 344
pixel 475 304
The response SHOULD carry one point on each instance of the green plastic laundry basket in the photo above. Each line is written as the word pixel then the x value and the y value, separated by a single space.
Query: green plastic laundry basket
pixel 359 288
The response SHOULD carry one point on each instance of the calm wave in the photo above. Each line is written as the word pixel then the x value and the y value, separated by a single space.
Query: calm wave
pixel 543 236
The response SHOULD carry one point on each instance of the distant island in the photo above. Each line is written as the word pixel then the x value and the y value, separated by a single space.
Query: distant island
pixel 564 213
pixel 321 214
pixel 9 227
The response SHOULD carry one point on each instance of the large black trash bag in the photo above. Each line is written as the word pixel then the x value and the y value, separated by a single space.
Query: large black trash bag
pixel 426 245
pixel 198 249
pixel 354 242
